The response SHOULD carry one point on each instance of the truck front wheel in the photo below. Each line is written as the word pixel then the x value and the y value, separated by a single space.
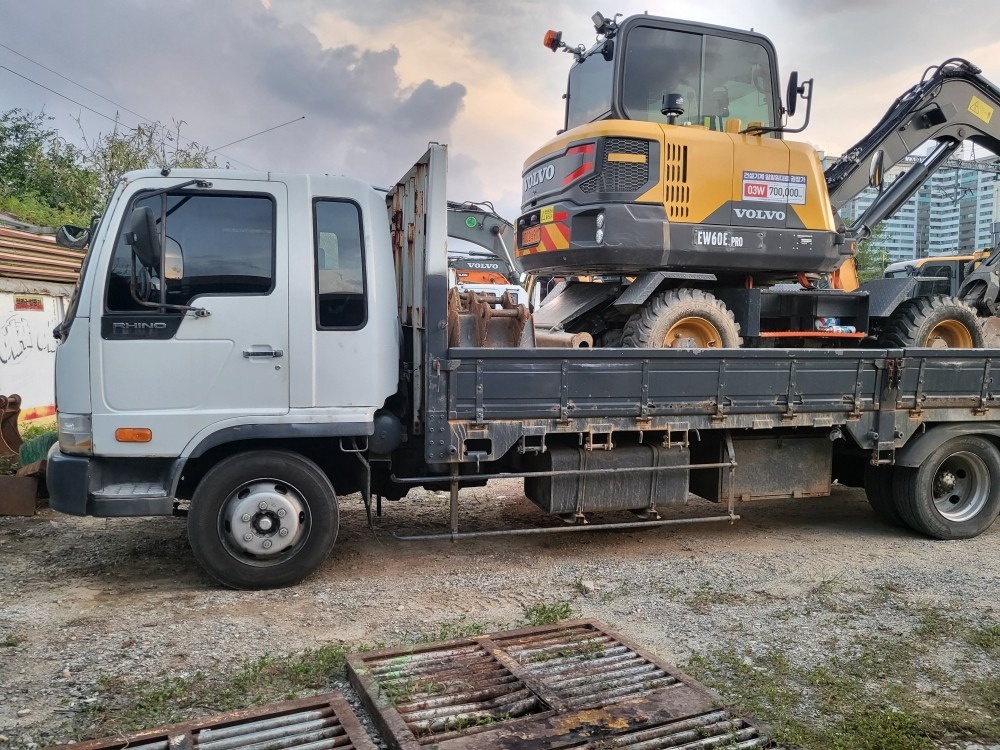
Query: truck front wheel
pixel 954 493
pixel 263 519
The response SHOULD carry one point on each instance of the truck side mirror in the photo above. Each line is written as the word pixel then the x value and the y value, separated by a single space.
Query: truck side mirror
pixel 75 238
pixel 144 237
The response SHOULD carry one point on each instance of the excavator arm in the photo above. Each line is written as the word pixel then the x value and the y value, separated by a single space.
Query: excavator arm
pixel 952 104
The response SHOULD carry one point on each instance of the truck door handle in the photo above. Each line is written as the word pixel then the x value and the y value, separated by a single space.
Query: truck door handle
pixel 275 353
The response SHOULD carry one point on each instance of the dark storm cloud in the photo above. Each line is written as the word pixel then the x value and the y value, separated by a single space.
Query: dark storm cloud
pixel 229 68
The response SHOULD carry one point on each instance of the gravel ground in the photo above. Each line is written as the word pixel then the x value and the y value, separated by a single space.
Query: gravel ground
pixel 81 598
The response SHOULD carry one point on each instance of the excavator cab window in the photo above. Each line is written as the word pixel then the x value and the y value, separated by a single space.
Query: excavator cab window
pixel 589 96
pixel 720 78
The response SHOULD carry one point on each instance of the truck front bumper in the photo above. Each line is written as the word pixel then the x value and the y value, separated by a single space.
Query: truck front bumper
pixel 87 486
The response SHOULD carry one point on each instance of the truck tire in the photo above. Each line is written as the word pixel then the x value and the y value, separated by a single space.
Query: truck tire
pixel 682 319
pixel 263 519
pixel 934 321
pixel 954 493
pixel 878 490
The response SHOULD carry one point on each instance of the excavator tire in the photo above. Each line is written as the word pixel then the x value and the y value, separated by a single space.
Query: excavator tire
pixel 933 321
pixel 682 319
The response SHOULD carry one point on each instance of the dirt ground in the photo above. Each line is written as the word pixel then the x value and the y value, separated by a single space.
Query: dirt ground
pixel 81 598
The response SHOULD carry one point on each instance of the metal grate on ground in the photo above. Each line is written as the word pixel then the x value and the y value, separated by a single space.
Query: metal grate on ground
pixel 576 684
pixel 323 722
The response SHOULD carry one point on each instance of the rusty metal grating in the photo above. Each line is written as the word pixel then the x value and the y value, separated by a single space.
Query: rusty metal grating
pixel 572 685
pixel 323 722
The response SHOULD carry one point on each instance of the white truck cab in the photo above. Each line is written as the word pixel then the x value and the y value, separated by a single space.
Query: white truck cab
pixel 216 306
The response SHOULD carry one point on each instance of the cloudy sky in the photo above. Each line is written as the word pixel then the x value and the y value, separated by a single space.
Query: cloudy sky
pixel 377 80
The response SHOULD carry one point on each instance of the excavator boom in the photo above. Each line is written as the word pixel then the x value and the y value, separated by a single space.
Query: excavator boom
pixel 952 104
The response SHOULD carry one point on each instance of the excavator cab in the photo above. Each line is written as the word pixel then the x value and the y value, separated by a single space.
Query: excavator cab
pixel 721 79
pixel 673 160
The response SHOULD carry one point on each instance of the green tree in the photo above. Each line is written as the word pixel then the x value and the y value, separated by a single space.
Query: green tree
pixel 148 146
pixel 44 179
pixel 872 256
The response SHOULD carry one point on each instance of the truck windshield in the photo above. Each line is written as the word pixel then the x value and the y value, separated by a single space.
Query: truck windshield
pixel 720 78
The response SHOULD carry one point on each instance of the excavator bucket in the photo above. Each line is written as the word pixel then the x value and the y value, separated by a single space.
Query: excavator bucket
pixel 10 437
pixel 486 321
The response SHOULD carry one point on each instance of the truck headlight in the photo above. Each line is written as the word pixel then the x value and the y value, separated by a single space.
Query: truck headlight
pixel 76 434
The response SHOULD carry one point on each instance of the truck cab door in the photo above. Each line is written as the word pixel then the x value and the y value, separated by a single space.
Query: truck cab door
pixel 221 363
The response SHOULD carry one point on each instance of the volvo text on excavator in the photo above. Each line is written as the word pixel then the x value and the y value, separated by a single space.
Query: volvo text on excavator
pixel 683 216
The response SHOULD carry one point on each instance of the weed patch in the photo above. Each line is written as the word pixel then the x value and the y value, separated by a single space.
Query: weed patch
pixel 548 613
pixel 886 695
pixel 129 706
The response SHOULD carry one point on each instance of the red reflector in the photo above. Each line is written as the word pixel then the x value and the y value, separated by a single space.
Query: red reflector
pixel 584 151
pixel 584 169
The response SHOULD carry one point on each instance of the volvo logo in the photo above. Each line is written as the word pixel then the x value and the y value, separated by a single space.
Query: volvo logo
pixel 756 213
pixel 538 176
pixel 493 266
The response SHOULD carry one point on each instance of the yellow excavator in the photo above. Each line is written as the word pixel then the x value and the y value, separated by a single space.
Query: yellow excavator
pixel 682 216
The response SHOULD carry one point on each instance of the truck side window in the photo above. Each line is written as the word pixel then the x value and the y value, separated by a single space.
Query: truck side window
pixel 226 242
pixel 340 277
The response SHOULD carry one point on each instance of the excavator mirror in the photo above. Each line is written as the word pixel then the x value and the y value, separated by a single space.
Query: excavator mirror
pixel 876 172
pixel 792 93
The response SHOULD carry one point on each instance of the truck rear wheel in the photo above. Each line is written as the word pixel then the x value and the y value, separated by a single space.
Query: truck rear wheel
pixel 878 490
pixel 937 322
pixel 263 519
pixel 682 319
pixel 954 493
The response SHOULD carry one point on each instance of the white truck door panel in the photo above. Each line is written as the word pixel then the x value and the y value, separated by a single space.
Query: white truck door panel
pixel 178 373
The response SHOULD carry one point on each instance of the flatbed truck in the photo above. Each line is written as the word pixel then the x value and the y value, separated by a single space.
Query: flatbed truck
pixel 243 348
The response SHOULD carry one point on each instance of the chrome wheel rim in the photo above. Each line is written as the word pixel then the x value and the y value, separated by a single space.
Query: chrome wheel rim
pixel 961 486
pixel 264 522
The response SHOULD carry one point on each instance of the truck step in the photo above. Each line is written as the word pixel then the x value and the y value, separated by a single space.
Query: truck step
pixel 131 489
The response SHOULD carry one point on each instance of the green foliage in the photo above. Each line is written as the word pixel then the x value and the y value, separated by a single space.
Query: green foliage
pixel 547 614
pixel 36 448
pixel 872 698
pixel 8 465
pixel 872 257
pixel 48 181
pixel 43 177
pixel 128 706
pixel 147 146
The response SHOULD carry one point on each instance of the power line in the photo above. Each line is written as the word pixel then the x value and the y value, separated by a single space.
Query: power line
pixel 56 72
pixel 115 120
pixel 260 132
pixel 63 96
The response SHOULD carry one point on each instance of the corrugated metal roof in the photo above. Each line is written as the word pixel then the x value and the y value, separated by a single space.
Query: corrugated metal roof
pixel 32 253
